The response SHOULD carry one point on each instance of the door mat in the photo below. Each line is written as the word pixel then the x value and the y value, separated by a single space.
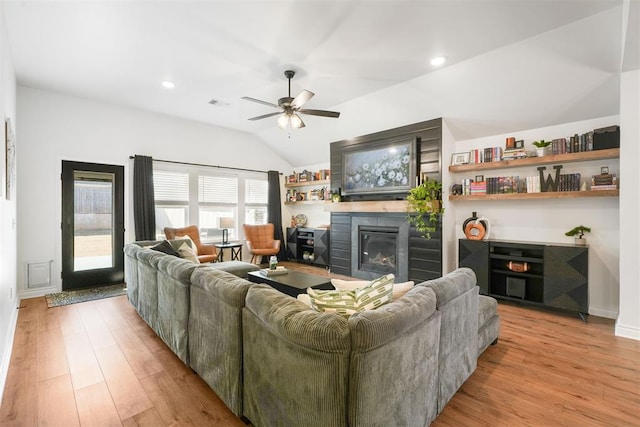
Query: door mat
pixel 82 295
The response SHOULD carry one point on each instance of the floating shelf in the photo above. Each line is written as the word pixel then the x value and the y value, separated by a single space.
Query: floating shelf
pixel 307 183
pixel 546 195
pixel 584 156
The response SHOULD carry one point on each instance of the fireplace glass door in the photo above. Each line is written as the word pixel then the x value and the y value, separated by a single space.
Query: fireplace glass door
pixel 378 249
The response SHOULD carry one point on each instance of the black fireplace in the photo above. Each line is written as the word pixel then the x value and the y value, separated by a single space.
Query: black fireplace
pixel 378 248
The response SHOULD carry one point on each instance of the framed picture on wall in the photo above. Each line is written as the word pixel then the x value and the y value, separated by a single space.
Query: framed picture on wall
pixel 460 158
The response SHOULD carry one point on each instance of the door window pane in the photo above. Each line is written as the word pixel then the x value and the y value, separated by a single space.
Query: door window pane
pixel 93 220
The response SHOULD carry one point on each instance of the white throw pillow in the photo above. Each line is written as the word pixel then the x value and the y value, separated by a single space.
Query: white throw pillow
pixel 399 289
pixel 193 244
pixel 349 285
pixel 187 252
pixel 305 299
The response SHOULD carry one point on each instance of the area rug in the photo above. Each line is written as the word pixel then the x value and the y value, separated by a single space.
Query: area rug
pixel 82 295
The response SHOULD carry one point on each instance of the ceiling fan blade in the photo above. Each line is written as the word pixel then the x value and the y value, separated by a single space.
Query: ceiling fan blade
pixel 264 116
pixel 322 113
pixel 302 97
pixel 270 104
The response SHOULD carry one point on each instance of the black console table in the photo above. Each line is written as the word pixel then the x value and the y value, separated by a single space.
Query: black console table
pixel 540 274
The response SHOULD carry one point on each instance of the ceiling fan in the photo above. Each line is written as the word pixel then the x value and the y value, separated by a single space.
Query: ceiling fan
pixel 290 107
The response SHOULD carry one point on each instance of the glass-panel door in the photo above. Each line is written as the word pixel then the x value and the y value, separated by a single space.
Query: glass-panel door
pixel 92 224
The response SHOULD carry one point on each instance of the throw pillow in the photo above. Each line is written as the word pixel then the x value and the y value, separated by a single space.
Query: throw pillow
pixel 346 303
pixel 399 289
pixel 187 252
pixel 349 285
pixel 193 244
pixel 305 299
pixel 165 247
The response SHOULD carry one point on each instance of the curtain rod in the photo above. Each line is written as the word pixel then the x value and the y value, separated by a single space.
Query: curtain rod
pixel 208 166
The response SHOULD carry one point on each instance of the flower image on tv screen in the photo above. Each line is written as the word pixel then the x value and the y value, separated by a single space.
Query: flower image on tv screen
pixel 385 169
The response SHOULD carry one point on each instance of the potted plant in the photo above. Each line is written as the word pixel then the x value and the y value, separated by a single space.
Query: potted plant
pixel 541 147
pixel 578 233
pixel 424 203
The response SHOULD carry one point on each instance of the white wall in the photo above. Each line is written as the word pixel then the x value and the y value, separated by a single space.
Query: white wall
pixel 628 324
pixel 546 220
pixel 56 127
pixel 8 294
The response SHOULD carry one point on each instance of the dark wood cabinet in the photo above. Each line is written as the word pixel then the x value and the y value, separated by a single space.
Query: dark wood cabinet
pixel 542 274
pixel 308 245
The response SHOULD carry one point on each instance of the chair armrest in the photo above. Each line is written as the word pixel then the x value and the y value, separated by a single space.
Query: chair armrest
pixel 207 250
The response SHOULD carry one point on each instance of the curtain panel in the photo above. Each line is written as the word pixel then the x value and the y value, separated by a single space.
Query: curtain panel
pixel 144 212
pixel 274 212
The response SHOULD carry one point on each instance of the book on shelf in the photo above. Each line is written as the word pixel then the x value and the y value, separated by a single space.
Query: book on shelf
pixel 604 187
pixel 604 179
pixel 485 155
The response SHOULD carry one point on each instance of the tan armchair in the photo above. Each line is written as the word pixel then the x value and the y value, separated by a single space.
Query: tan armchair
pixel 260 240
pixel 206 253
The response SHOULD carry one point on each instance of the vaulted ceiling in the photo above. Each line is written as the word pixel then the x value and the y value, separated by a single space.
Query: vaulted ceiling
pixel 511 64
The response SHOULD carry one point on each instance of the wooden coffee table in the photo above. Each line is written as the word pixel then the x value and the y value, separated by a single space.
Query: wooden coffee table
pixel 292 283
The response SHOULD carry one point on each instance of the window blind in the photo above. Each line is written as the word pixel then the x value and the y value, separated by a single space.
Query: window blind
pixel 217 189
pixel 171 186
pixel 256 191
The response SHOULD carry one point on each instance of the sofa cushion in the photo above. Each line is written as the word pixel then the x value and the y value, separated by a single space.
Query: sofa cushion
pixel 165 247
pixel 487 308
pixel 452 285
pixel 346 303
pixel 237 268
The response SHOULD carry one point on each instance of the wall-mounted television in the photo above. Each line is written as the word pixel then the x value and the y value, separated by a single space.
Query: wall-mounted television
pixel 379 168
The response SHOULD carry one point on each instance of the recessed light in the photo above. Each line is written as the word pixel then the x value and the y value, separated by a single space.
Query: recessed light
pixel 438 61
pixel 168 85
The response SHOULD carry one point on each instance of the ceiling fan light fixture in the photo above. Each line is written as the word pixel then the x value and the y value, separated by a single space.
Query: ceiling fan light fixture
pixel 296 121
pixel 283 121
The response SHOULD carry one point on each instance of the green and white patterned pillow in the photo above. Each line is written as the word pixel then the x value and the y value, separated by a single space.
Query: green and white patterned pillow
pixel 348 302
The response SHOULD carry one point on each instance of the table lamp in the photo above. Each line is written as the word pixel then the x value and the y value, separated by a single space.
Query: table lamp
pixel 225 224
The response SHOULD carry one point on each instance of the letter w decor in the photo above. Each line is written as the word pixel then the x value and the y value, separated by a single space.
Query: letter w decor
pixel 549 182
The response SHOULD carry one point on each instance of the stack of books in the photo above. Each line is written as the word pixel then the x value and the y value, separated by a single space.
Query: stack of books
pixel 514 153
pixel 479 187
pixel 279 270
pixel 607 181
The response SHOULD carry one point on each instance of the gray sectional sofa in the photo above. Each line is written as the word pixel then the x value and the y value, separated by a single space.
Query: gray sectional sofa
pixel 275 361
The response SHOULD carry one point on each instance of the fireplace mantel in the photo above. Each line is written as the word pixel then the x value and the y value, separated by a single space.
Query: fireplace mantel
pixel 368 206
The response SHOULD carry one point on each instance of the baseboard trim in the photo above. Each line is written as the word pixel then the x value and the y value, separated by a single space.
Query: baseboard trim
pixel 627 332
pixel 35 293
pixel 8 349
pixel 607 314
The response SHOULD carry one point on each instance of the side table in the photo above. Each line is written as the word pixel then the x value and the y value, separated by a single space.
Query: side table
pixel 234 247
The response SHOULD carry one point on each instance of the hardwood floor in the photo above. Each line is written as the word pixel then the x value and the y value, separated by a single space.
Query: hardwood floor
pixel 98 364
